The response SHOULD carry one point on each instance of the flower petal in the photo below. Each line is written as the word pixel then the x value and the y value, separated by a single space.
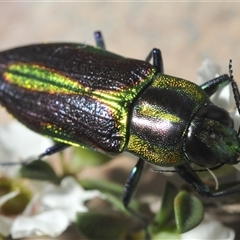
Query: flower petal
pixel 224 98
pixel 52 223
pixel 235 116
pixel 17 138
pixel 5 225
pixel 69 197
pixel 8 196
pixel 19 143
pixel 207 71
pixel 210 229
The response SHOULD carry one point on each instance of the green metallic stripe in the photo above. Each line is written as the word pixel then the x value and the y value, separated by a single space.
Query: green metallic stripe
pixel 156 154
pixel 66 142
pixel 41 79
pixel 155 112
pixel 180 85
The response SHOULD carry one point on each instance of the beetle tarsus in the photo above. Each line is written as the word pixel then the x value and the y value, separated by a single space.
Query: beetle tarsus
pixel 235 90
pixel 54 149
pixel 157 59
pixel 99 40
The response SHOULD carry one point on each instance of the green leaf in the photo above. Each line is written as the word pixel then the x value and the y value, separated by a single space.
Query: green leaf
pixel 118 204
pixel 188 211
pixel 100 226
pixel 15 205
pixel 102 185
pixel 112 191
pixel 169 233
pixel 3 238
pixel 39 170
pixel 166 212
pixel 83 157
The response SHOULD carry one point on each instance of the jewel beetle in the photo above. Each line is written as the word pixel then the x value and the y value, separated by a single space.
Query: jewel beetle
pixel 86 96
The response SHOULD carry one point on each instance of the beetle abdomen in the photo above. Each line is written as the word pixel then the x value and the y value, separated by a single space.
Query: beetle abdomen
pixel 73 93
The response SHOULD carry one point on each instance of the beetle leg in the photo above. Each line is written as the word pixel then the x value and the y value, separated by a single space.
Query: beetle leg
pixel 130 187
pixel 132 182
pixel 54 149
pixel 157 59
pixel 197 184
pixel 49 151
pixel 215 84
pixel 99 40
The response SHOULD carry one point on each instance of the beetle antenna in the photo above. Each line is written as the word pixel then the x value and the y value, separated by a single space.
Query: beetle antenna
pixel 235 90
pixel 21 163
pixel 214 178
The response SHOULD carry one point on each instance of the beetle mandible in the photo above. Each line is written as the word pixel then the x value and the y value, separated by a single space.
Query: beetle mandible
pixel 86 96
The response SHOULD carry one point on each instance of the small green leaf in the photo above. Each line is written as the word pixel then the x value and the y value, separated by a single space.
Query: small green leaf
pixel 100 226
pixel 15 205
pixel 117 203
pixel 3 238
pixel 103 186
pixel 188 211
pixel 5 186
pixel 83 157
pixel 39 170
pixel 112 191
pixel 166 212
pixel 169 233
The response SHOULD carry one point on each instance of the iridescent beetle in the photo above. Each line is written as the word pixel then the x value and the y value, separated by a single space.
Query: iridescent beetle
pixel 86 96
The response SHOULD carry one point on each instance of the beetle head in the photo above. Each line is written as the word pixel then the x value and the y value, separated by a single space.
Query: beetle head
pixel 211 138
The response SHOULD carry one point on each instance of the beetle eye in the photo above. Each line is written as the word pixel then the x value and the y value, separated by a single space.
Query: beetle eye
pixel 216 113
pixel 199 153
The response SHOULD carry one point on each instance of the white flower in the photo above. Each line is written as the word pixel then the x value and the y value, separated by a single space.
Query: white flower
pixel 18 143
pixel 51 223
pixel 209 229
pixel 49 213
pixel 52 208
pixel 207 71
pixel 69 197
